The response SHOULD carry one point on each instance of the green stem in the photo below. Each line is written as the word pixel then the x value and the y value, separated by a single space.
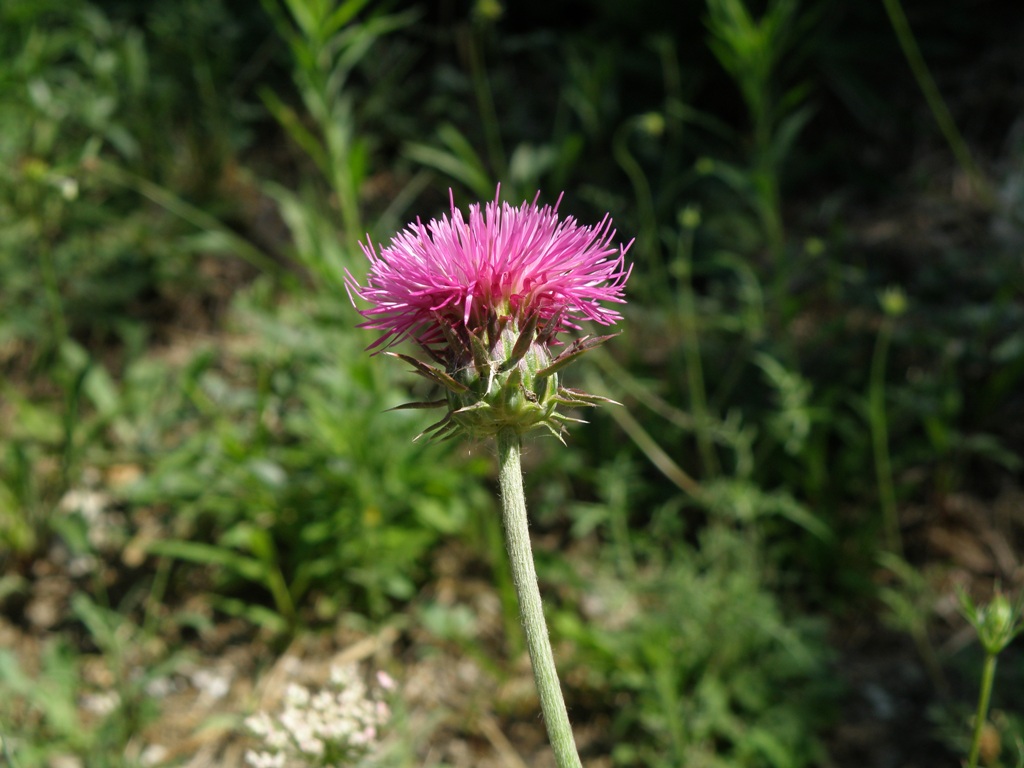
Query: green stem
pixel 936 104
pixel 648 241
pixel 667 690
pixel 694 367
pixel 880 440
pixel 495 546
pixel 51 289
pixel 988 674
pixel 766 181
pixel 485 104
pixel 517 541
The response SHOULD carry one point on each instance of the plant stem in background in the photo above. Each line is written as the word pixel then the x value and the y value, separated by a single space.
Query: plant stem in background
pixel 667 691
pixel 750 51
pixel 694 368
pixel 51 287
pixel 485 102
pixel 988 674
pixel 936 104
pixel 880 439
pixel 328 40
pixel 649 241
pixel 651 449
pixel 911 602
pixel 517 541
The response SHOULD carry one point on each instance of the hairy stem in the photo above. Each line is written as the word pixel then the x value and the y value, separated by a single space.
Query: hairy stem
pixel 517 542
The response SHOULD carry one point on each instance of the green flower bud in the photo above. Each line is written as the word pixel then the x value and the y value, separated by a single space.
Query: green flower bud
pixel 998 624
pixel 814 246
pixel 689 217
pixel 653 123
pixel 705 166
pixel 488 10
pixel 893 301
pixel 501 378
pixel 503 388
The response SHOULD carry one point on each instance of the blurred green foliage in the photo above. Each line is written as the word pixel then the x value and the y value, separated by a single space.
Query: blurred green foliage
pixel 182 187
pixel 716 675
pixel 61 712
pixel 278 484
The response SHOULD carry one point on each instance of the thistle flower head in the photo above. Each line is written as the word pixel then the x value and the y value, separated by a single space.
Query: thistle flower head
pixel 488 297
pixel 520 263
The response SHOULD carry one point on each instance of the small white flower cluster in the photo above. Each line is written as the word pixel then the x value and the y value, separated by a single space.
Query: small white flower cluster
pixel 337 726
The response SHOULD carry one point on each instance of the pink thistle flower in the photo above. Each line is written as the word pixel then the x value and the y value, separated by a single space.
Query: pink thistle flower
pixel 487 298
pixel 523 264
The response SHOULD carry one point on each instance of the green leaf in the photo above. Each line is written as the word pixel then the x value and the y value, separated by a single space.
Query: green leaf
pixel 431 373
pixel 260 615
pixel 342 15
pixel 457 159
pixel 208 554
pixel 301 135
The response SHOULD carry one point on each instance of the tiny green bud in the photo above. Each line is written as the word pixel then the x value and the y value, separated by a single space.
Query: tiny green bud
pixel 680 268
pixel 997 624
pixel 705 166
pixel 893 301
pixel 1000 615
pixel 689 217
pixel 35 169
pixel 814 246
pixel 653 123
pixel 488 10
